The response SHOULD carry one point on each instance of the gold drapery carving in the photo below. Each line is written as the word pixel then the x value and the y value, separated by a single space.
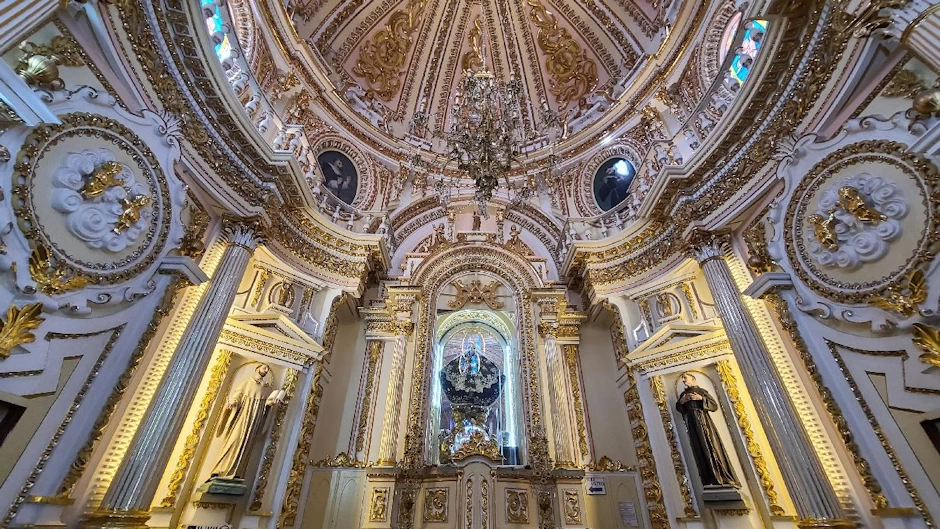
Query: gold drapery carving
pixel 223 360
pixel 730 383
pixel 572 73
pixel 659 393
pixel 382 58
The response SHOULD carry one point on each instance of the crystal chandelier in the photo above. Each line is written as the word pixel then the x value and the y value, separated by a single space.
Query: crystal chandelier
pixel 486 134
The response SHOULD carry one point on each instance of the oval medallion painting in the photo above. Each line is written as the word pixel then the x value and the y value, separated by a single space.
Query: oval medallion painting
pixel 612 182
pixel 339 175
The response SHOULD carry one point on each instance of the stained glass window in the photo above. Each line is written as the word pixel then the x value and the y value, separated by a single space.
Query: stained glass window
pixel 214 23
pixel 747 53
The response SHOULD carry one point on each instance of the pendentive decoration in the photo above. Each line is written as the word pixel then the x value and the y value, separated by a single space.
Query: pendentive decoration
pixel 103 204
pixel 18 326
pixel 476 292
pixel 855 221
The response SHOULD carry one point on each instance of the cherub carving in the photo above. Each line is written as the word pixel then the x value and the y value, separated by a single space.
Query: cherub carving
pixel 824 230
pixel 101 179
pixel 130 212
pixel 853 202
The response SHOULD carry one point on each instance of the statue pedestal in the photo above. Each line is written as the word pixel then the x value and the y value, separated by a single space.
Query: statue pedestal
pixel 223 487
pixel 211 509
pixel 722 495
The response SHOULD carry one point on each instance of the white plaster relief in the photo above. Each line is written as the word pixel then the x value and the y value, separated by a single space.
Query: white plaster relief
pixel 95 220
pixel 857 241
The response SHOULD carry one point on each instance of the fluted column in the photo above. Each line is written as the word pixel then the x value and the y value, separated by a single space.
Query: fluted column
pixel 558 397
pixel 388 445
pixel 136 481
pixel 815 501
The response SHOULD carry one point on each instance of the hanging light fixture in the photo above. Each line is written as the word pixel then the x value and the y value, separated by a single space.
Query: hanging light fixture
pixel 486 133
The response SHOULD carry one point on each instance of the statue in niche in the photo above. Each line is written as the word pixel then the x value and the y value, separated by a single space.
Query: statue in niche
pixel 242 424
pixel 695 404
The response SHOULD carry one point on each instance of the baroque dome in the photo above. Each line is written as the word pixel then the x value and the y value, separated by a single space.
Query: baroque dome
pixel 378 67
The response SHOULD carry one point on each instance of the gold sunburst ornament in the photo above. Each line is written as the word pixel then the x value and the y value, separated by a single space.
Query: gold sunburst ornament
pixel 18 326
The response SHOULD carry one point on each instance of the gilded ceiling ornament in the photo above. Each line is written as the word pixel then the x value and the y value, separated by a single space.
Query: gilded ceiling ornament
pixel 104 176
pixel 571 72
pixel 381 59
pixel 39 66
pixel 928 339
pixel 435 505
pixel 52 278
pixel 18 327
pixel 905 83
pixel 476 292
pixel 903 297
pixel 473 58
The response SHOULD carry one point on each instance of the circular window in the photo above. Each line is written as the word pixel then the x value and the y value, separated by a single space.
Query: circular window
pixel 339 175
pixel 612 182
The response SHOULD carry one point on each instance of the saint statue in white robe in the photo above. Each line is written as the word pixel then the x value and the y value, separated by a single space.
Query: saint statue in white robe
pixel 243 422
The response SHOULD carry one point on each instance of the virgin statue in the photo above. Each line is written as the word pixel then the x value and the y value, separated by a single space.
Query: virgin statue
pixel 695 404
pixel 243 422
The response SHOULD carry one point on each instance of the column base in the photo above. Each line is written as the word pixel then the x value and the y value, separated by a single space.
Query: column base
pixel 115 520
pixel 814 523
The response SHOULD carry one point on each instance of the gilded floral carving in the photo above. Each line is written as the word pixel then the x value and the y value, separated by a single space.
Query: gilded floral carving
pixel 435 505
pixel 382 58
pixel 572 73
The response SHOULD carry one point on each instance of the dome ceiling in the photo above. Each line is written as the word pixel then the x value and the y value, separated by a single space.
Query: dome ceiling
pixel 394 59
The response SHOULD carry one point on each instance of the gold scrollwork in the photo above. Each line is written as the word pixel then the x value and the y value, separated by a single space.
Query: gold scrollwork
pixel 473 58
pixel 298 470
pixel 18 327
pixel 572 73
pixel 435 505
pixel 478 445
pixel 572 507
pixel 517 506
pixel 928 339
pixel 476 292
pixel 730 383
pixel 378 507
pixel 381 59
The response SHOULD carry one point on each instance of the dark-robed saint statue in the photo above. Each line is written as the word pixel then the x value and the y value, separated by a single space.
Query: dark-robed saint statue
pixel 695 404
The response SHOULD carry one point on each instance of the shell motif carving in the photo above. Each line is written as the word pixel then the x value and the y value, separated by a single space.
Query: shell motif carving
pixel 855 221
pixel 104 206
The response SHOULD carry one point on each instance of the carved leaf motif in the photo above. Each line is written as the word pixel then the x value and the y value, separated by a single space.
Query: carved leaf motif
pixel 904 297
pixel 928 339
pixel 52 278
pixel 18 327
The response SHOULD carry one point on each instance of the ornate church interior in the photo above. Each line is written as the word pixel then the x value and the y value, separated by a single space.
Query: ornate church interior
pixel 475 264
